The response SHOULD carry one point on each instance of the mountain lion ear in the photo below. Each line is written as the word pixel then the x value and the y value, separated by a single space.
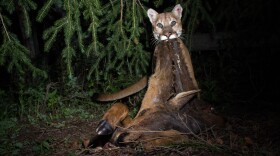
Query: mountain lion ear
pixel 152 14
pixel 177 11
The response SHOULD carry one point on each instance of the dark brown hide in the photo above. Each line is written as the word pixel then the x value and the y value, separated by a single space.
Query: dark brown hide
pixel 150 124
pixel 181 73
pixel 170 108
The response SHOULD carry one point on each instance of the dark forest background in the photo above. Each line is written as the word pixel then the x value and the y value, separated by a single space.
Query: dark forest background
pixel 56 54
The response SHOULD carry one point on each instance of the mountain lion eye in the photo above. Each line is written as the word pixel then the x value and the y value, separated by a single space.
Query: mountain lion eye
pixel 160 25
pixel 173 23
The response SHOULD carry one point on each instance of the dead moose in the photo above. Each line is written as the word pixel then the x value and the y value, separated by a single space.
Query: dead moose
pixel 170 110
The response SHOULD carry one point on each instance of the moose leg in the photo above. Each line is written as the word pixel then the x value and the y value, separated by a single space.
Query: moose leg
pixel 113 118
pixel 151 139
pixel 188 66
pixel 163 138
pixel 117 115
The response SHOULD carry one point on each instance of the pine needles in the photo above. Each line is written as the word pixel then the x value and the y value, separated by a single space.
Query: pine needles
pixel 101 45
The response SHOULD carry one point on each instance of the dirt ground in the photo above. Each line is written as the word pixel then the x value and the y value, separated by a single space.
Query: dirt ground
pixel 255 133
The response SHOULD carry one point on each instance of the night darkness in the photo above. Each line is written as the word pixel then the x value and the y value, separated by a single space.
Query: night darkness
pixel 239 76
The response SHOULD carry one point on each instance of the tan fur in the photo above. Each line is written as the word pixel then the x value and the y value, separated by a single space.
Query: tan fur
pixel 158 108
pixel 136 87
pixel 188 62
pixel 117 113
pixel 170 108
pixel 152 139
pixel 165 19
pixel 163 28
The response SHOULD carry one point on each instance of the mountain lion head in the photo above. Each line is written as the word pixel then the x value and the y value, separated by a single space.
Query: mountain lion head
pixel 166 25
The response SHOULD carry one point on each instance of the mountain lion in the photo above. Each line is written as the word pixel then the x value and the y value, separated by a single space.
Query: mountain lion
pixel 166 26
pixel 170 108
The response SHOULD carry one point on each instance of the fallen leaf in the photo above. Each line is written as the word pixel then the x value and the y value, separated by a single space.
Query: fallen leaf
pixel 248 141
pixel 220 141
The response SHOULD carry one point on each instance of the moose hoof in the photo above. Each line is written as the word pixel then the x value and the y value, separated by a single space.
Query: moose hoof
pixel 118 138
pixel 104 128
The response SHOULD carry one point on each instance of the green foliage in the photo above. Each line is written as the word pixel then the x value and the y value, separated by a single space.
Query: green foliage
pixel 19 61
pixel 101 46
pixel 107 61
pixel 51 33
pixel 42 147
pixel 98 46
pixel 14 55
pixel 7 144
pixel 89 46
pixel 44 10
pixel 47 104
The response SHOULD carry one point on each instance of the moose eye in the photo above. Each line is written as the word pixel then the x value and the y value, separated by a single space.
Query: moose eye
pixel 160 25
pixel 173 23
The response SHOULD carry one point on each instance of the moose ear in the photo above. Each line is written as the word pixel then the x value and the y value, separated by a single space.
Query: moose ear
pixel 177 11
pixel 152 14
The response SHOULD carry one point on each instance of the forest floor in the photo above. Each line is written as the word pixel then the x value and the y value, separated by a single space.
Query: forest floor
pixel 248 132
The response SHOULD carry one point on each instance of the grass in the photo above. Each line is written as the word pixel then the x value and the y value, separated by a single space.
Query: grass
pixel 63 135
pixel 47 121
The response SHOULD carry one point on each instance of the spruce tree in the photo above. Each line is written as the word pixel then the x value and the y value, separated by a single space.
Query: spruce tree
pixel 101 45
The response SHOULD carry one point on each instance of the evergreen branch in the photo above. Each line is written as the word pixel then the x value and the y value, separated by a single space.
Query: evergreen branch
pixel 59 24
pixel 68 28
pixel 43 12
pixel 158 2
pixel 133 29
pixel 193 19
pixel 92 12
pixel 78 26
pixel 27 24
pixel 3 53
pixel 10 7
pixel 121 18
pixel 133 16
pixel 32 4
pixel 5 29
pixel 95 66
pixel 112 5
pixel 23 58
pixel 92 46
pixel 141 5
pixel 49 42
pixel 19 58
pixel 67 53
pixel 120 65
pixel 132 64
pixel 93 30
